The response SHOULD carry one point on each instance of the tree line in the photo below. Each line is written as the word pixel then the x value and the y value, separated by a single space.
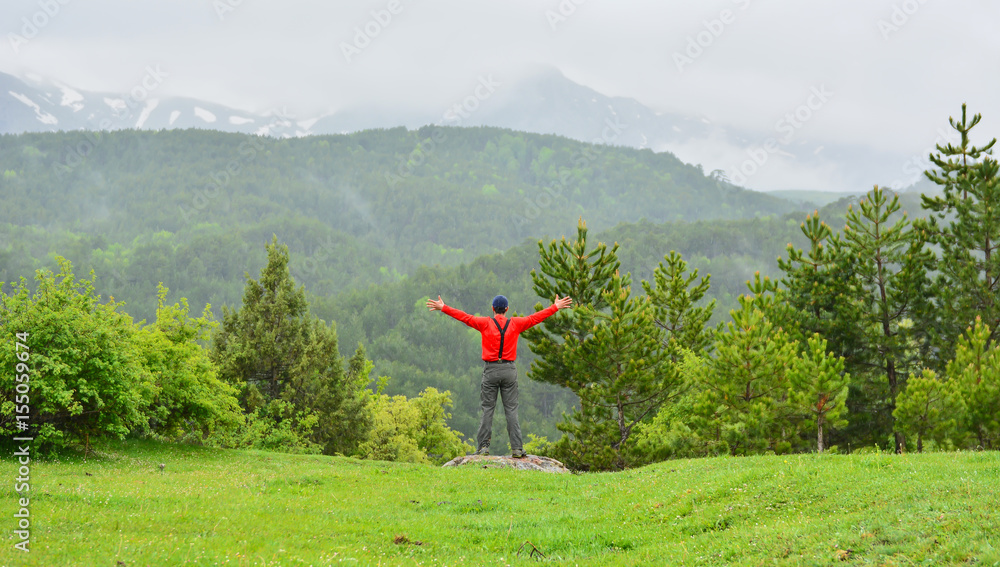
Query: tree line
pixel 869 337
pixel 142 207
pixel 881 334
pixel 271 376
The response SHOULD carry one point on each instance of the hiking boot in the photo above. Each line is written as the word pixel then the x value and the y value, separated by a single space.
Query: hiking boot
pixel 484 451
pixel 519 454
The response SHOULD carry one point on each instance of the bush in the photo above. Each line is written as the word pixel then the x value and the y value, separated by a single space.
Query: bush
pixel 413 430
pixel 190 401
pixel 274 425
pixel 86 373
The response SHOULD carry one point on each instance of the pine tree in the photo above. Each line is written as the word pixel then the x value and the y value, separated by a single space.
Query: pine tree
pixel 675 295
pixel 625 379
pixel 819 387
pixel 928 408
pixel 814 281
pixel 286 364
pixel 773 301
pixel 968 284
pixel 258 345
pixel 349 407
pixel 569 269
pixel 888 282
pixel 976 373
pixel 746 383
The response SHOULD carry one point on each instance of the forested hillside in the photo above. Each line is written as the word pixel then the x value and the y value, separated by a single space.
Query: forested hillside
pixel 194 208
pixel 375 223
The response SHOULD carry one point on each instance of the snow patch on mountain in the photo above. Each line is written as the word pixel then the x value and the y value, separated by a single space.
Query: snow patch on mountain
pixel 70 98
pixel 41 115
pixel 116 104
pixel 307 124
pixel 151 104
pixel 204 114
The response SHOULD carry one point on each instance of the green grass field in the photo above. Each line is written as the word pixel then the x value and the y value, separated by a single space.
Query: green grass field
pixel 213 507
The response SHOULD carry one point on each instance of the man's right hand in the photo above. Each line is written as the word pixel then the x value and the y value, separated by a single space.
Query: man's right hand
pixel 562 303
pixel 435 305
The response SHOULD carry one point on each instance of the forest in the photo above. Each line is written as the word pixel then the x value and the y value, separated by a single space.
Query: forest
pixel 144 207
pixel 708 319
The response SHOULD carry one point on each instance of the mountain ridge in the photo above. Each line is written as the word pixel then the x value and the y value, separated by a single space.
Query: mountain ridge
pixel 545 102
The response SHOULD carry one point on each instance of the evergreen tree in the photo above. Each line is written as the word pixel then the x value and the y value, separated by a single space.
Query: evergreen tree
pixel 888 284
pixel 975 371
pixel 929 407
pixel 678 430
pixel 624 375
pixel 348 407
pixel 815 301
pixel 745 384
pixel 569 269
pixel 258 345
pixel 968 284
pixel 819 387
pixel 286 364
pixel 772 300
pixel 675 296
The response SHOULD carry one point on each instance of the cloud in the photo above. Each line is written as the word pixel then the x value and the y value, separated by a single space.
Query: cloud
pixel 894 87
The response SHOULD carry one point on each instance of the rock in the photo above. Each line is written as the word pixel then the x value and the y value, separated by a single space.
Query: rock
pixel 529 463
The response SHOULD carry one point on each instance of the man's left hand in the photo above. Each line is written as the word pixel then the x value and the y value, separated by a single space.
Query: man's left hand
pixel 435 305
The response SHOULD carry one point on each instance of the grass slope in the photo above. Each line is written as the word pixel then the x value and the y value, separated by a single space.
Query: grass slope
pixel 212 507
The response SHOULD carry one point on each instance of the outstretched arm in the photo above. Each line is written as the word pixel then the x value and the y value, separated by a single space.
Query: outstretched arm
pixel 470 320
pixel 536 318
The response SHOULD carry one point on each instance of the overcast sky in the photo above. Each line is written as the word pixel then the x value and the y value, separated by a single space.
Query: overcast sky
pixel 897 69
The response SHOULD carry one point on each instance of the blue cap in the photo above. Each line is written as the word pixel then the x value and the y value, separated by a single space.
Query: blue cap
pixel 499 304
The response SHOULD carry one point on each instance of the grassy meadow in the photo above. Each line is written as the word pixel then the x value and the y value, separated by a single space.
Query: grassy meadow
pixel 215 507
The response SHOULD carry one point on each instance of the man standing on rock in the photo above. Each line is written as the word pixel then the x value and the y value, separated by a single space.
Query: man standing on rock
pixel 500 336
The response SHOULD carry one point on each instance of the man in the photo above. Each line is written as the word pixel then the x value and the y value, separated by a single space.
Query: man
pixel 499 353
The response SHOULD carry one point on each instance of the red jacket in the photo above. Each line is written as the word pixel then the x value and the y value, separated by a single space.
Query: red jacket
pixel 491 335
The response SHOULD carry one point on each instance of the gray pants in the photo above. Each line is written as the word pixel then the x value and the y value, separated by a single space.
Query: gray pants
pixel 500 378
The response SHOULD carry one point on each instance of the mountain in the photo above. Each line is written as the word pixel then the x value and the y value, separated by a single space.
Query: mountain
pixel 49 106
pixel 546 102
